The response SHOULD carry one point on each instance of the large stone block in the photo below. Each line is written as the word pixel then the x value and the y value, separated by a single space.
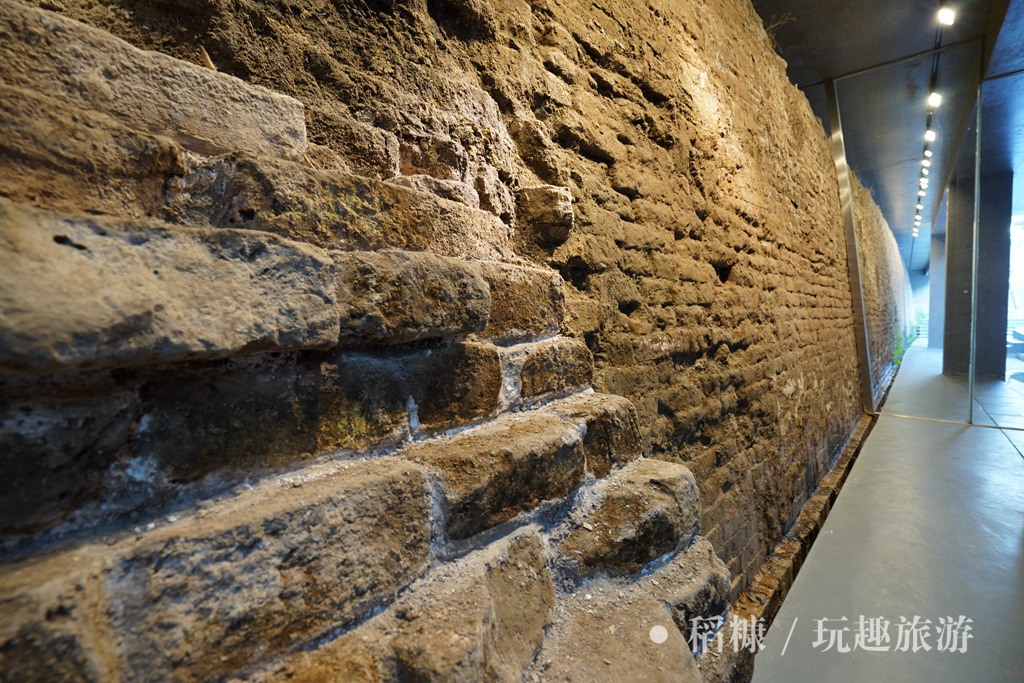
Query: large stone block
pixel 56 443
pixel 331 209
pixel 526 303
pixel 601 635
pixel 402 296
pixel 227 587
pixel 493 472
pixel 270 570
pixel 80 293
pixel 547 210
pixel 638 514
pixel 55 626
pixel 613 434
pixel 207 111
pixel 556 365
pixel 455 384
pixel 62 158
pixel 488 627
pixel 479 618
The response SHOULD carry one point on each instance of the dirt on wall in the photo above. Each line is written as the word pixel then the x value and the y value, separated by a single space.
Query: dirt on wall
pixel 703 251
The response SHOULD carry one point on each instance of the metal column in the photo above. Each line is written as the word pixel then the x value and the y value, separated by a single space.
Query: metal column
pixel 852 252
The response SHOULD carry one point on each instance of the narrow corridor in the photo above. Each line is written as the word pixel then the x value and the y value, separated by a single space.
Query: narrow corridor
pixel 930 524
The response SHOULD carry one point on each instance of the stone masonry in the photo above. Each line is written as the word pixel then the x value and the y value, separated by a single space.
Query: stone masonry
pixel 414 340
pixel 888 299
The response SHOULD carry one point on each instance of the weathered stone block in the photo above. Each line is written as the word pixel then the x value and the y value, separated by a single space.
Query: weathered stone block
pixel 455 384
pixel 227 587
pixel 479 618
pixel 454 190
pixel 235 419
pixel 63 158
pixel 493 472
pixel 204 110
pixel 54 626
pixel 402 296
pixel 526 302
pixel 79 293
pixel 556 364
pixel 269 570
pixel 613 434
pixel 486 628
pixel 639 513
pixel 546 209
pixel 363 401
pixel 599 636
pixel 695 585
pixel 330 209
pixel 352 658
pixel 54 444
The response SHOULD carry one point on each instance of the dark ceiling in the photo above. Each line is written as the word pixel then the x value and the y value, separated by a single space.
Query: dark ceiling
pixel 880 53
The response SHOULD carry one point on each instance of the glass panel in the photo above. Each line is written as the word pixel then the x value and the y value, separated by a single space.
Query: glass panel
pixel 999 324
pixel 887 149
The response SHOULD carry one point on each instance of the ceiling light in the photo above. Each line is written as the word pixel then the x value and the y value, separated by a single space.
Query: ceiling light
pixel 929 135
pixel 920 207
pixel 925 162
pixel 934 100
pixel 921 193
pixel 924 171
pixel 928 154
pixel 947 15
pixel 923 182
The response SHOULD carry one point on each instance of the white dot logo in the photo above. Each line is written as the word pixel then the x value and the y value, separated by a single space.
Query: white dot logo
pixel 659 634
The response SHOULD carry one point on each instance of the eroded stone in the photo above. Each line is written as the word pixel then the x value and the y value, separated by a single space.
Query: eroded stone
pixel 493 472
pixel 204 110
pixel 556 365
pixel 401 296
pixel 83 293
pixel 647 509
pixel 613 434
pixel 526 302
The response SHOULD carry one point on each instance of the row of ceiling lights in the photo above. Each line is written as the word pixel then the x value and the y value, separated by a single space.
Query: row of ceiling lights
pixel 946 17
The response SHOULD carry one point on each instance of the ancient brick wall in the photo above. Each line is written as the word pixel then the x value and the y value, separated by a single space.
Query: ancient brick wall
pixel 885 285
pixel 433 341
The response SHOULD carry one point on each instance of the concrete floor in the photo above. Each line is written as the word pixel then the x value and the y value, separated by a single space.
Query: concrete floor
pixel 923 391
pixel 929 524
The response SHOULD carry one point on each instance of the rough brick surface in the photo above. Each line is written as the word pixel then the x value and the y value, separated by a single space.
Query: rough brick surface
pixel 150 91
pixel 546 211
pixel 487 628
pixel 295 559
pixel 493 472
pixel 525 302
pixel 599 637
pixel 329 208
pixel 87 293
pixel 401 296
pixel 888 300
pixel 60 157
pixel 554 365
pixel 612 437
pixel 79 451
pixel 479 618
pixel 640 513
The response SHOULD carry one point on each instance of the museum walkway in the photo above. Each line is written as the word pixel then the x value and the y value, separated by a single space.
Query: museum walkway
pixel 930 525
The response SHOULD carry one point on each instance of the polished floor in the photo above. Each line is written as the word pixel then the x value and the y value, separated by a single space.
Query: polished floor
pixel 918 573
